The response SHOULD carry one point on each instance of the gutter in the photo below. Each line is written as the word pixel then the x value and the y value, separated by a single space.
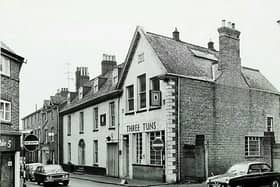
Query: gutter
pixel 91 102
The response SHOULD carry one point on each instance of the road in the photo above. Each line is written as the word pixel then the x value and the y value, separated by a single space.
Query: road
pixel 85 183
pixel 76 183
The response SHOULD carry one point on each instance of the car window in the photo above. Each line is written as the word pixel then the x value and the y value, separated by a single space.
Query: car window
pixel 257 168
pixel 238 168
pixel 53 168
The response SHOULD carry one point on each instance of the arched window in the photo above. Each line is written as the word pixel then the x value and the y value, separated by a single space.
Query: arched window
pixel 81 153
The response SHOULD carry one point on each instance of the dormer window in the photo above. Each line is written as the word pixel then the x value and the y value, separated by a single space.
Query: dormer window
pixel 5 66
pixel 81 93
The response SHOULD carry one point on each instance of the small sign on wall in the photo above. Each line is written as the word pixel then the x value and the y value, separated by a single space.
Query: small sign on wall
pixel 10 163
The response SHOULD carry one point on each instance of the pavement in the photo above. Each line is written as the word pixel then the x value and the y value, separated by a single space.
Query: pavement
pixel 130 182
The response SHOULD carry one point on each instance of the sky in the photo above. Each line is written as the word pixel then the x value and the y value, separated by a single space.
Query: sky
pixel 53 33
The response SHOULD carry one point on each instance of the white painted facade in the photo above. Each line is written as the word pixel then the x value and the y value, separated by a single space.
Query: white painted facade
pixel 90 135
pixel 134 123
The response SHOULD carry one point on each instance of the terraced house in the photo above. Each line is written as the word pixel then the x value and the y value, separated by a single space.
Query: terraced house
pixel 10 66
pixel 188 110
pixel 89 123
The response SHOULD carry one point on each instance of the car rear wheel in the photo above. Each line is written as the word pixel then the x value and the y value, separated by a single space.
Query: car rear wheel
pixel 275 183
pixel 65 183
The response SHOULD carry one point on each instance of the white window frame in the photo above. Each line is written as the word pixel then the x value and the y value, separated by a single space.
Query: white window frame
pixel 69 152
pixel 151 151
pixel 143 92
pixel 5 112
pixel 129 98
pixel 112 115
pixel 138 148
pixel 69 125
pixel 95 118
pixel 95 152
pixel 247 147
pixel 81 122
pixel 5 63
pixel 271 128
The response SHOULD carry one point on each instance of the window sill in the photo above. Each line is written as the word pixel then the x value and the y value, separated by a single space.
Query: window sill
pixel 154 108
pixel 129 113
pixel 95 130
pixel 148 165
pixel 141 110
pixel 5 75
pixel 112 128
pixel 249 157
pixel 6 122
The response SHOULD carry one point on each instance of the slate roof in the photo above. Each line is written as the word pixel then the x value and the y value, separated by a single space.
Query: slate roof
pixel 107 88
pixel 4 46
pixel 190 60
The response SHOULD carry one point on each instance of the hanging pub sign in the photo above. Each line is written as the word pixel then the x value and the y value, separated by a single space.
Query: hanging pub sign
pixel 31 142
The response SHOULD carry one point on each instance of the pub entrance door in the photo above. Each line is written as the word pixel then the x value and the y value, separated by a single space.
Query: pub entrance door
pixel 7 162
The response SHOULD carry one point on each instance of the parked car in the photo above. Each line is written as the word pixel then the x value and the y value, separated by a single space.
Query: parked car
pixel 246 174
pixel 30 169
pixel 51 174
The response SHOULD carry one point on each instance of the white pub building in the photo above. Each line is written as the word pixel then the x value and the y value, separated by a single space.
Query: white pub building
pixel 146 115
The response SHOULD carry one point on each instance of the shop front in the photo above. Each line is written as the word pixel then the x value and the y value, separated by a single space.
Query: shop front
pixel 9 160
pixel 141 158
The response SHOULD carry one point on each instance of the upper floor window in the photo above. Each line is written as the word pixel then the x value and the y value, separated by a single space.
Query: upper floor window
pixel 81 122
pixel 141 57
pixel 155 94
pixel 112 114
pixel 269 124
pixel 142 91
pixel 155 84
pixel 130 98
pixel 5 66
pixel 46 135
pixel 69 125
pixel 95 118
pixel 52 134
pixel 5 111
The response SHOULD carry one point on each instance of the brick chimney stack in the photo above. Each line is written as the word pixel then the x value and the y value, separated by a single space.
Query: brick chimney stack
pixel 108 63
pixel 211 46
pixel 81 77
pixel 176 34
pixel 229 47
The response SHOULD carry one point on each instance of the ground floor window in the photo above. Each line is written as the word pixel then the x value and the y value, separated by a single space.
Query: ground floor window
pixel 156 157
pixel 252 146
pixel 139 148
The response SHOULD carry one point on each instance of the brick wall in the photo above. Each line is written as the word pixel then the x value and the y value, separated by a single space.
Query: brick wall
pixel 10 92
pixel 196 115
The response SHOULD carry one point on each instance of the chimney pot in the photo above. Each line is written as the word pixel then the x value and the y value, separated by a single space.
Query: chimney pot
pixel 176 34
pixel 223 23
pixel 211 46
pixel 233 25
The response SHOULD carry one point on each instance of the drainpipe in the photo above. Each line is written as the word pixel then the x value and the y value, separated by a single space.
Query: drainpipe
pixel 119 136
pixel 57 127
pixel 179 129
